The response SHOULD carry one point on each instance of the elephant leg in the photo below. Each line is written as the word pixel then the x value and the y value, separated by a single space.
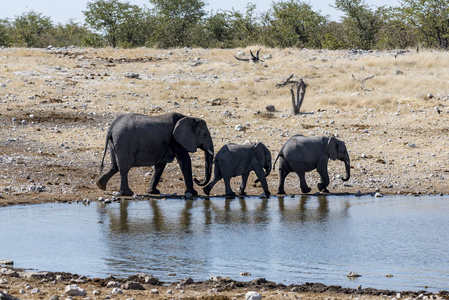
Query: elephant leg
pixel 217 177
pixel 158 169
pixel 183 158
pixel 302 182
pixel 261 176
pixel 283 172
pixel 322 186
pixel 103 180
pixel 124 187
pixel 228 189
pixel 243 184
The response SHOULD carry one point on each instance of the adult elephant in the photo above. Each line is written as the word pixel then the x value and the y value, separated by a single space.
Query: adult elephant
pixel 136 140
pixel 239 160
pixel 302 154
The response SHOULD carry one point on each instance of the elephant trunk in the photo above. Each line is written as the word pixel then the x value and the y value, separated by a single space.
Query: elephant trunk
pixel 348 170
pixel 268 169
pixel 209 159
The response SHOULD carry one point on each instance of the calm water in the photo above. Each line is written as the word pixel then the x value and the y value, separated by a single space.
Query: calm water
pixel 286 240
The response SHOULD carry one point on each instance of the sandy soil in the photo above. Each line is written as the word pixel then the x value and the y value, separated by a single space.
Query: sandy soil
pixel 56 105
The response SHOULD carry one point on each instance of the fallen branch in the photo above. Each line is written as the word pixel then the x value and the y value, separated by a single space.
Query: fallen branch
pixel 287 81
pixel 254 58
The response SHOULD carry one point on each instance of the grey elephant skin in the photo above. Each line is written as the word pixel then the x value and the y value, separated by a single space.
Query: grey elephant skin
pixel 136 140
pixel 239 160
pixel 301 154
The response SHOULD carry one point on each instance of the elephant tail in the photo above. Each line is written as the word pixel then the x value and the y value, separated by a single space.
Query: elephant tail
pixel 108 138
pixel 274 164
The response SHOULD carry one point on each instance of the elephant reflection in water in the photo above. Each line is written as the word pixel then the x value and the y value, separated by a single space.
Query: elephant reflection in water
pixel 160 217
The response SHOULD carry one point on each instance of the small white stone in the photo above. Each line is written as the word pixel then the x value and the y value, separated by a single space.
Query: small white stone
pixel 253 296
pixel 74 290
pixel 116 291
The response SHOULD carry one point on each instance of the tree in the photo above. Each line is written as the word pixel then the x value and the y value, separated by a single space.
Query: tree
pixel 31 30
pixel 175 19
pixel 109 16
pixel 244 27
pixel 395 32
pixel 5 28
pixel 361 23
pixel 69 34
pixel 218 30
pixel 430 18
pixel 293 23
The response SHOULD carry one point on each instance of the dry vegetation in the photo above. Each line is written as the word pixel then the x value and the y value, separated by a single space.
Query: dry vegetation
pixel 56 105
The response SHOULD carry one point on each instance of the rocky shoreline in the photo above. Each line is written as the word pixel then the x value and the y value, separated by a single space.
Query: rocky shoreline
pixel 25 284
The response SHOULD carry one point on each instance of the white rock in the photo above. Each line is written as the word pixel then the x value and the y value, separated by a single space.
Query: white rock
pixel 253 296
pixel 239 127
pixel 154 291
pixel 116 291
pixel 112 284
pixel 74 290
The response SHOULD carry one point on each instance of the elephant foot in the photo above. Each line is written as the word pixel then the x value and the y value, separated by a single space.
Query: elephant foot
pixel 206 190
pixel 241 193
pixel 101 185
pixel 153 191
pixel 306 190
pixel 191 193
pixel 230 195
pixel 281 192
pixel 127 192
pixel 265 195
pixel 322 188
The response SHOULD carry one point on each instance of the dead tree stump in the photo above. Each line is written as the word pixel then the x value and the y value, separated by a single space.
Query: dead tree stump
pixel 300 92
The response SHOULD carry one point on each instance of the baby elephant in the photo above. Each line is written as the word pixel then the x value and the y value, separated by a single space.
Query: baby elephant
pixel 301 154
pixel 235 160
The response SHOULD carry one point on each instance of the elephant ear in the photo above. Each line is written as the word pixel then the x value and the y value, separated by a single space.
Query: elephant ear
pixel 259 153
pixel 184 133
pixel 332 148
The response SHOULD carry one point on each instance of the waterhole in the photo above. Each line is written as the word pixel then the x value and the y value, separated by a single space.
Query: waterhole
pixel 283 239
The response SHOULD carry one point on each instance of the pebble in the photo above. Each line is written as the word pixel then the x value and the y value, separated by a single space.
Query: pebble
pixel 253 296
pixel 74 290
pixel 239 127
pixel 131 75
pixel 116 291
pixel 270 108
pixel 133 285
pixel 353 274
pixel 154 291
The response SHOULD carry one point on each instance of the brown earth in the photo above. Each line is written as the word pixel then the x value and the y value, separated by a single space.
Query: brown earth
pixel 56 105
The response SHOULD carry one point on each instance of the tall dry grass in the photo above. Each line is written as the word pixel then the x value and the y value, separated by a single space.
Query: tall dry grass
pixel 336 79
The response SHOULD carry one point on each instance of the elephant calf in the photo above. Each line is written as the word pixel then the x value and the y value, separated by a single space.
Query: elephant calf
pixel 301 154
pixel 235 160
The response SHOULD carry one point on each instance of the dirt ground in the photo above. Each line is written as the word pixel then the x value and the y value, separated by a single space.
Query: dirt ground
pixel 56 105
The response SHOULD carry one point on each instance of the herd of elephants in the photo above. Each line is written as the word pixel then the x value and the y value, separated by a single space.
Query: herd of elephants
pixel 136 140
